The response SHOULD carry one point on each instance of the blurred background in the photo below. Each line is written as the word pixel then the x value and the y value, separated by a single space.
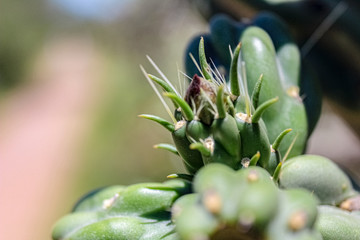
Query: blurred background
pixel 70 92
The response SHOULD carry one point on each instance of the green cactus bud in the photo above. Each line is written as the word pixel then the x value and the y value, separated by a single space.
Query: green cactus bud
pixel 318 175
pixel 244 204
pixel 217 183
pixel 225 132
pixel 253 174
pixel 183 202
pixel 200 95
pixel 196 130
pixel 192 158
pixel 196 223
pixel 296 216
pixel 218 154
pixel 258 205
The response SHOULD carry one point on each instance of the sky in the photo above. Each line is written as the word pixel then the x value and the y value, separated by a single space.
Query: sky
pixel 101 10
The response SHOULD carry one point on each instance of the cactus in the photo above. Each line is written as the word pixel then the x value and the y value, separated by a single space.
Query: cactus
pixel 243 204
pixel 139 211
pixel 221 123
pixel 241 183
pixel 334 223
pixel 275 55
pixel 327 181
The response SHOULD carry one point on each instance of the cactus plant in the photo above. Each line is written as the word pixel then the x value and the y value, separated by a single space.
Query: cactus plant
pixel 328 34
pixel 240 184
pixel 278 59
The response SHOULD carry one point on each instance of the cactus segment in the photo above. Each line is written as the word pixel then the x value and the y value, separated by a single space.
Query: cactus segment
pixel 161 121
pixel 261 57
pixel 220 155
pixel 323 177
pixel 196 223
pixel 136 212
pixel 90 201
pixel 253 139
pixel 334 224
pixel 296 216
pixel 192 158
pixel 196 130
pixel 243 204
pixel 258 205
pixel 225 132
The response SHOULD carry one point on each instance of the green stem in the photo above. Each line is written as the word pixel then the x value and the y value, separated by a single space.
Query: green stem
pixel 231 109
pixel 261 109
pixel 220 102
pixel 277 172
pixel 278 140
pixel 169 147
pixel 181 176
pixel 161 121
pixel 234 81
pixel 201 148
pixel 186 109
pixel 256 92
pixel 203 63
pixel 254 159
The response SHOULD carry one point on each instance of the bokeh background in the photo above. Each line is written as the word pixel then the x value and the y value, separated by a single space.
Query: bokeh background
pixel 70 92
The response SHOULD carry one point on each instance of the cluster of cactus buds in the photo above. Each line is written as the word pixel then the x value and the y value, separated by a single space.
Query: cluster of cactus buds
pixel 244 204
pixel 241 184
pixel 220 123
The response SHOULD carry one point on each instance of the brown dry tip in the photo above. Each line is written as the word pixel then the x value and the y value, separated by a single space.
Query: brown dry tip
pixel 244 117
pixel 351 204
pixel 271 149
pixel 245 162
pixel 180 124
